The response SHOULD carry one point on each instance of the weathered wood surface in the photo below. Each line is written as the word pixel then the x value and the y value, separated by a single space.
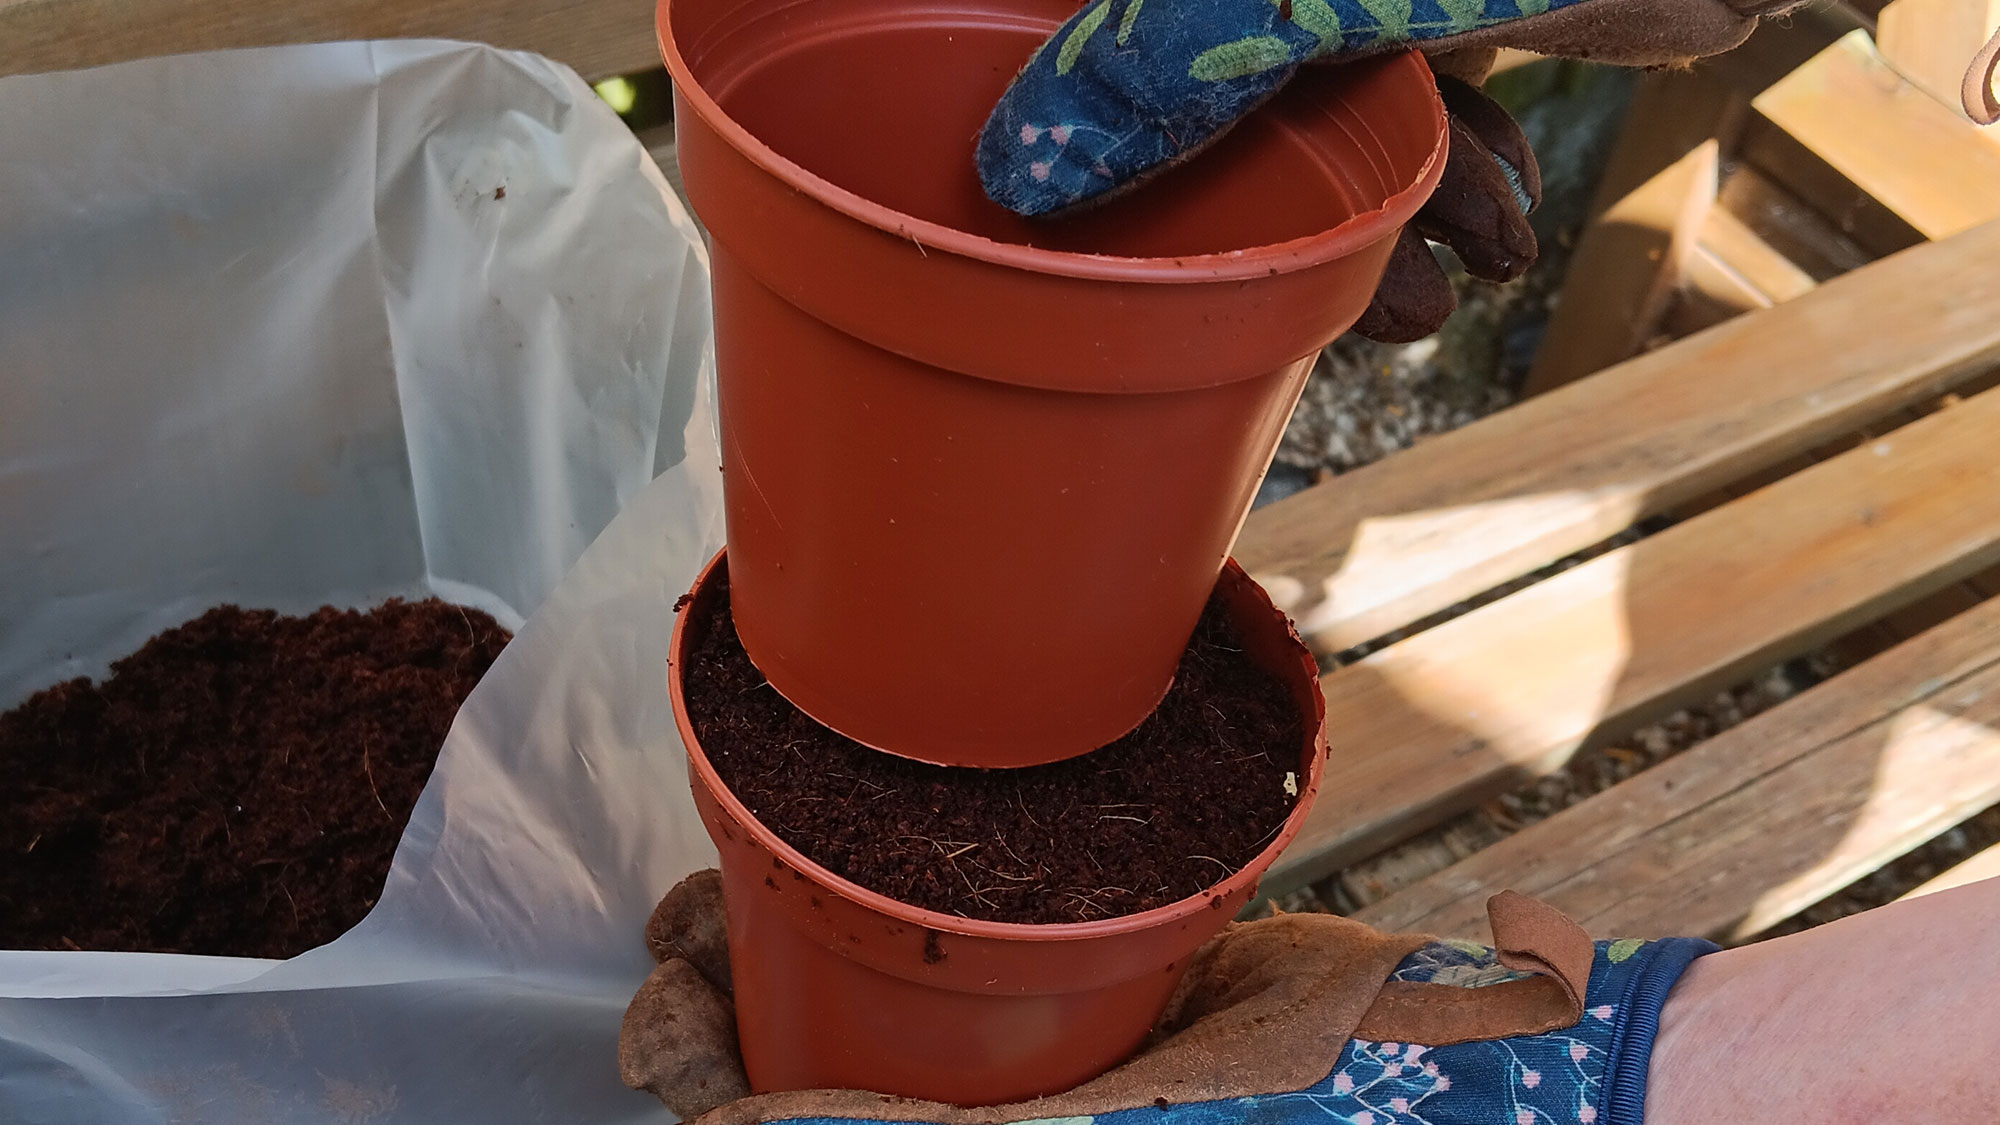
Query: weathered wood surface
pixel 1746 254
pixel 1374 550
pixel 1673 112
pixel 1732 271
pixel 1930 42
pixel 1793 227
pixel 1930 166
pixel 1628 263
pixel 597 38
pixel 1764 819
pixel 1434 724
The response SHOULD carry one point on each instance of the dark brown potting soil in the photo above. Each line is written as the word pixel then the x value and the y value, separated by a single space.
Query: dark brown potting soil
pixel 237 786
pixel 1162 814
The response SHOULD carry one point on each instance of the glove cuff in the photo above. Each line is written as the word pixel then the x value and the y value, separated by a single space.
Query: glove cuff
pixel 1657 967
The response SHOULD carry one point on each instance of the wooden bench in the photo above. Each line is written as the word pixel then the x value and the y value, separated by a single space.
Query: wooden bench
pixel 1823 481
pixel 1435 723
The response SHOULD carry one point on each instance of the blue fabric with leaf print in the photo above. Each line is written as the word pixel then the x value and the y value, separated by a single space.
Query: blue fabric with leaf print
pixel 1593 1073
pixel 1128 86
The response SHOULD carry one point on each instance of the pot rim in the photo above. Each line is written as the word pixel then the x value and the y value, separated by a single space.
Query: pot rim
pixel 1305 252
pixel 1315 768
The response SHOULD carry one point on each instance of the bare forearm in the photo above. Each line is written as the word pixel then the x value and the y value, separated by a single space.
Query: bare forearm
pixel 1888 1016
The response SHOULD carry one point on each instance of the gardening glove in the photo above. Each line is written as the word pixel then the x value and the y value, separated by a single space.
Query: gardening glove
pixel 1128 88
pixel 1304 1016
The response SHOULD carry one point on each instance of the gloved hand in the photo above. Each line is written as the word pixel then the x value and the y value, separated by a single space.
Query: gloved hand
pixel 1300 1016
pixel 1129 87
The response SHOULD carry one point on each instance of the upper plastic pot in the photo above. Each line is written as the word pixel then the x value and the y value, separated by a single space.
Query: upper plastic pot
pixel 982 471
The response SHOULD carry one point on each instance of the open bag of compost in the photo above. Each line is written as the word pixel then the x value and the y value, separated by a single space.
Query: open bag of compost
pixel 333 325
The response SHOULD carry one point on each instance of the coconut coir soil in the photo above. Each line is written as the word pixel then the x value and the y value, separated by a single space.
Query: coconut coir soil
pixel 1162 814
pixel 237 786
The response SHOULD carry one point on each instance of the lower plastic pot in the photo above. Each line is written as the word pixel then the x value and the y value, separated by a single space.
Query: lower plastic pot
pixel 837 986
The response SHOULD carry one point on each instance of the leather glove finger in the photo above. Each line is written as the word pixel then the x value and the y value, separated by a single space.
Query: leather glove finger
pixel 1476 209
pixel 678 1039
pixel 678 1042
pixel 1489 121
pixel 1415 296
pixel 1491 182
pixel 689 924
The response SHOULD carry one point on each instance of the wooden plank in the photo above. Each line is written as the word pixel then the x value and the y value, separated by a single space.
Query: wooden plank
pixel 1928 165
pixel 1930 43
pixel 1731 272
pixel 1805 175
pixel 1380 876
pixel 1432 725
pixel 1672 113
pixel 1710 293
pixel 1780 46
pixel 1509 58
pixel 1795 229
pixel 1743 252
pixel 1765 818
pixel 598 38
pixel 1376 549
pixel 1985 865
pixel 1627 265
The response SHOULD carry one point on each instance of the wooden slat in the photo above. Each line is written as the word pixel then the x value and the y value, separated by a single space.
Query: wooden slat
pixel 1376 549
pixel 1627 265
pixel 1672 113
pixel 1434 724
pixel 1930 42
pixel 1794 228
pixel 1743 252
pixel 1710 293
pixel 1779 46
pixel 598 38
pixel 1927 164
pixel 1985 865
pixel 1805 175
pixel 1508 58
pixel 1731 272
pixel 1764 819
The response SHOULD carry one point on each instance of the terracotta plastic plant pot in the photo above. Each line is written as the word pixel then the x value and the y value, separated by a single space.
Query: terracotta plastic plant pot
pixel 837 986
pixel 982 471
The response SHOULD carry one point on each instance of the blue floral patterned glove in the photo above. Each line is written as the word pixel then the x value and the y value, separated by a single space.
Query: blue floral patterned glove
pixel 1294 1020
pixel 1128 88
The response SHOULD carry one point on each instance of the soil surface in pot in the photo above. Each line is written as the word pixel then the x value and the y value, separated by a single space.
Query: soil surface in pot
pixel 237 786
pixel 1160 815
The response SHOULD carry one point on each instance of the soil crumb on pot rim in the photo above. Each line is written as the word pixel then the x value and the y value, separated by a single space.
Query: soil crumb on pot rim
pixel 1184 801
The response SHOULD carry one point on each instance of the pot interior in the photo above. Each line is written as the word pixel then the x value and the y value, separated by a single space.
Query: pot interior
pixel 885 98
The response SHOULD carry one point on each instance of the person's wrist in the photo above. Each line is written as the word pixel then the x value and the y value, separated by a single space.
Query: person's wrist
pixel 1684 1067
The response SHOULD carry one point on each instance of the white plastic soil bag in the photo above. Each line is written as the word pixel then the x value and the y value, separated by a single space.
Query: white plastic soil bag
pixel 333 324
